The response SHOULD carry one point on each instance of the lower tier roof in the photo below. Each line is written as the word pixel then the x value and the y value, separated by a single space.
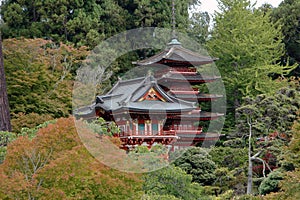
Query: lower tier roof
pixel 199 97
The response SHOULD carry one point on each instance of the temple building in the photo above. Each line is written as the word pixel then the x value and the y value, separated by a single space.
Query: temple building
pixel 163 106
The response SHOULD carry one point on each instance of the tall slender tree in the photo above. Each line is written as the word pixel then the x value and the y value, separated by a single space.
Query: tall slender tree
pixel 249 46
pixel 4 107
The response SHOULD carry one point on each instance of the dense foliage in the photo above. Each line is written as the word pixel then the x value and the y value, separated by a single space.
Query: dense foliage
pixel 288 13
pixel 39 79
pixel 198 163
pixel 87 22
pixel 289 187
pixel 55 164
pixel 248 45
pixel 269 113
pixel 173 181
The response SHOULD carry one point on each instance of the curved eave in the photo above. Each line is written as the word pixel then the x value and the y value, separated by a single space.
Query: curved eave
pixel 136 110
pixel 196 79
pixel 176 54
pixel 199 97
pixel 184 62
pixel 202 116
pixel 87 112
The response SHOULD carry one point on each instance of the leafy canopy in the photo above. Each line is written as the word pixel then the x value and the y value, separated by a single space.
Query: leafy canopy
pixel 248 45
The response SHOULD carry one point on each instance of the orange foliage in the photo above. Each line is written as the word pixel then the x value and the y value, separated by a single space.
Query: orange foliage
pixel 56 165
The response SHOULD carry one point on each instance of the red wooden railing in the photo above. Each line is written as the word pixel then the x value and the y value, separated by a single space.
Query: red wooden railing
pixel 171 132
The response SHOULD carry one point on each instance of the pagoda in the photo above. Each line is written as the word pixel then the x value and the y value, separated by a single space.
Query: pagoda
pixel 160 108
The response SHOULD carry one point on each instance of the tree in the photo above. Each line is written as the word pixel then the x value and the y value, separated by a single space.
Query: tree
pixel 270 113
pixel 87 22
pixel 173 181
pixel 56 165
pixel 4 106
pixel 199 27
pixel 289 187
pixel 197 162
pixel 231 167
pixel 79 22
pixel 39 79
pixel 262 116
pixel 271 183
pixel 249 46
pixel 287 13
pixel 5 139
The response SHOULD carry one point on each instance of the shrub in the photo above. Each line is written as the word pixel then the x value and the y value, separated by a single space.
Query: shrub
pixel 271 183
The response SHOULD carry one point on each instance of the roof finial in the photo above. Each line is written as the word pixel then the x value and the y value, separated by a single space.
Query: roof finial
pixel 173 20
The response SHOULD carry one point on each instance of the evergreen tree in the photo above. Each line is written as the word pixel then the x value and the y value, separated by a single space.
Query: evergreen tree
pixel 80 22
pixel 248 46
pixel 87 22
pixel 197 162
pixel 288 13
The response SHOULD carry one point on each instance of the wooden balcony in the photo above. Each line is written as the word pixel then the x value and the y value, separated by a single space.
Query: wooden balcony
pixel 160 134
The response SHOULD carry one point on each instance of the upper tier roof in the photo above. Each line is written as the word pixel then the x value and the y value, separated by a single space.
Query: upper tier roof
pixel 175 53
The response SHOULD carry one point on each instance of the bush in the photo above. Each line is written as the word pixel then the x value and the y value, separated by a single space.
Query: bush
pixel 197 162
pixel 231 158
pixel 271 183
pixel 102 127
pixel 56 165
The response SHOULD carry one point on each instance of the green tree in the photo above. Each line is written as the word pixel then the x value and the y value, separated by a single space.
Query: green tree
pixel 249 46
pixel 5 139
pixel 261 116
pixel 87 22
pixel 197 162
pixel 271 183
pixel 288 13
pixel 80 22
pixel 199 27
pixel 39 79
pixel 173 181
pixel 289 187
pixel 270 113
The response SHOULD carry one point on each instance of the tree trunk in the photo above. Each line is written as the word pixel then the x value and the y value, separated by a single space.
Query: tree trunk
pixel 4 107
pixel 250 167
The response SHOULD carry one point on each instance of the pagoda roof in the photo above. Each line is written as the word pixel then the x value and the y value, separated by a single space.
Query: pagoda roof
pixel 197 78
pixel 200 97
pixel 129 95
pixel 176 53
pixel 199 115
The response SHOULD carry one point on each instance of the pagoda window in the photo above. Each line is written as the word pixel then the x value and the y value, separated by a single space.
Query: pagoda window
pixel 154 129
pixel 141 129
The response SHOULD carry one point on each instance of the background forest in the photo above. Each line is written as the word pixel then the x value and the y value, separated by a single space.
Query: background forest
pixel 46 41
